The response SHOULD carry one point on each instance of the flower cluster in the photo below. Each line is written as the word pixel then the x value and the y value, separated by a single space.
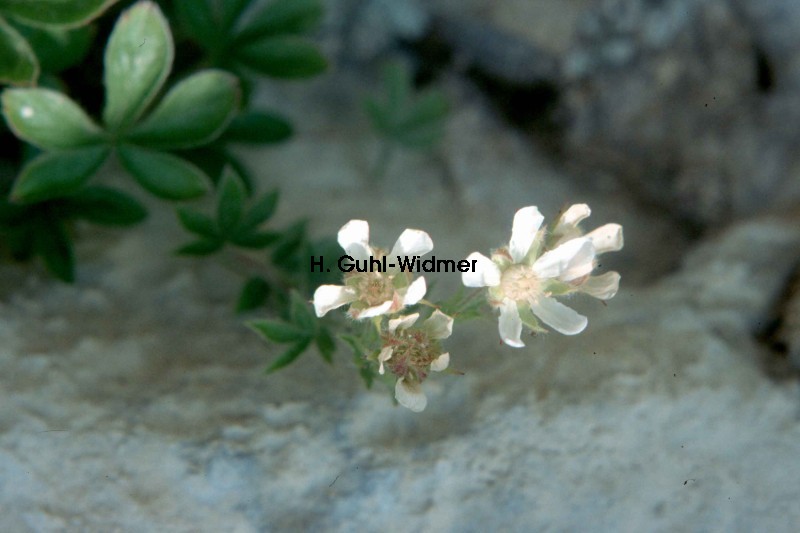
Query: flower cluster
pixel 523 281
pixel 524 278
pixel 409 351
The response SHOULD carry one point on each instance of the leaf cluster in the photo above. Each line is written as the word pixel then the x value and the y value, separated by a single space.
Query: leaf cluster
pixel 41 34
pixel 299 329
pixel 404 116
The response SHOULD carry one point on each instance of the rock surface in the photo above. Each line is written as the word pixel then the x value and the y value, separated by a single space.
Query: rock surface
pixel 135 401
pixel 688 101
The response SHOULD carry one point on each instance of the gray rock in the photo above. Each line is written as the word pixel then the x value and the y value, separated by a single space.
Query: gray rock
pixel 671 96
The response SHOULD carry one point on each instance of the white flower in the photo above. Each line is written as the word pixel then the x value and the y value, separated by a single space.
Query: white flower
pixel 411 351
pixel 374 293
pixel 524 278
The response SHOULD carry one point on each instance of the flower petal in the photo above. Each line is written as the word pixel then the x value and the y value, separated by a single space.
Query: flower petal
pixel 527 222
pixel 370 312
pixel 412 242
pixel 353 237
pixel 573 259
pixel 402 322
pixel 439 325
pixel 409 394
pixel 607 238
pixel 603 287
pixel 441 362
pixel 509 324
pixel 558 316
pixel 384 356
pixel 415 292
pixel 485 274
pixel 328 297
pixel 572 216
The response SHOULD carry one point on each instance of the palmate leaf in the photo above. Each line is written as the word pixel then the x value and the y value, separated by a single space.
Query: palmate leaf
pixel 289 356
pixel 138 59
pixel 164 175
pixel 56 174
pixel 254 294
pixel 280 332
pixel 282 17
pixel 58 48
pixel 194 112
pixel 104 206
pixel 48 119
pixel 283 57
pixel 18 63
pixel 230 203
pixel 198 223
pixel 65 13
pixel 258 127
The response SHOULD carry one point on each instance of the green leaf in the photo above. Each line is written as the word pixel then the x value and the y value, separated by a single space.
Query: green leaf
pixel 258 127
pixel 56 174
pixel 291 241
pixel 194 112
pixel 279 332
pixel 196 16
pixel 58 48
pixel 48 119
pixel 138 59
pixel 301 314
pixel 254 293
pixel 197 222
pixel 230 203
pixel 289 356
pixel 424 123
pixel 326 345
pixel 283 57
pixel 55 12
pixel 200 247
pixel 256 240
pixel 18 63
pixel 164 175
pixel 282 17
pixel 261 211
pixel 105 206
pixel 53 244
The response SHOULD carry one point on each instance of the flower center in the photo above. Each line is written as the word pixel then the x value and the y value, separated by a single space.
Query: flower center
pixel 374 288
pixel 519 283
pixel 413 351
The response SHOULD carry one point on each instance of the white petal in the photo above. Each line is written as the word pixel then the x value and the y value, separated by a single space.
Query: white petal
pixel 439 325
pixel 573 215
pixel 573 259
pixel 607 238
pixel 415 292
pixel 485 274
pixel 354 239
pixel 328 297
pixel 441 362
pixel 385 355
pixel 603 287
pixel 558 316
pixel 510 324
pixel 410 395
pixel 402 322
pixel 412 242
pixel 527 222
pixel 370 312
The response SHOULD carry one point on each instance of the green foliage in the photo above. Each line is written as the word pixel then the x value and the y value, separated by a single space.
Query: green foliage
pixel 138 60
pixel 19 64
pixel 299 329
pixel 234 223
pixel 403 117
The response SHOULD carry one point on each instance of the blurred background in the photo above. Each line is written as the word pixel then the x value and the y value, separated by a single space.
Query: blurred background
pixel 134 400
